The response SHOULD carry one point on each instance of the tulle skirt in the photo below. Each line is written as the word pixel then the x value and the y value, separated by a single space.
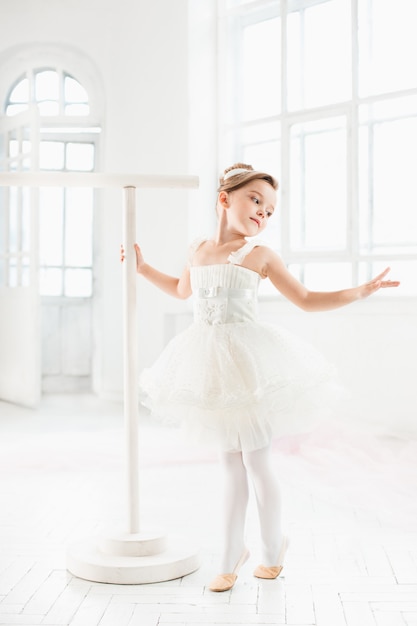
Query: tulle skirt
pixel 239 385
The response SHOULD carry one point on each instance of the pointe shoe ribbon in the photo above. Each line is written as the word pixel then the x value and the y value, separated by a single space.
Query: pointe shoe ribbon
pixel 224 582
pixel 262 571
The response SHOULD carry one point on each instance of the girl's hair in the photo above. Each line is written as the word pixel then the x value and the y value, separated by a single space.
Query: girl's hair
pixel 244 174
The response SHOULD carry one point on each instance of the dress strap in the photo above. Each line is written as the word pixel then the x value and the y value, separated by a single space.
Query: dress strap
pixel 237 257
pixel 194 247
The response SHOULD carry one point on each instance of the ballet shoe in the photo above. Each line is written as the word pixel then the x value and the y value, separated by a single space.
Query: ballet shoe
pixel 224 582
pixel 262 571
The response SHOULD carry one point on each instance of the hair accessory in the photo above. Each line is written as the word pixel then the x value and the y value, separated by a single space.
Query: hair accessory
pixel 237 170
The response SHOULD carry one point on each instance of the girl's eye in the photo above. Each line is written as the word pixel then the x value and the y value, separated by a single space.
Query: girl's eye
pixel 256 200
pixel 269 213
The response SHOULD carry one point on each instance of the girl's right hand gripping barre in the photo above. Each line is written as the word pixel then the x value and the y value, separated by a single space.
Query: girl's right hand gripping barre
pixel 140 261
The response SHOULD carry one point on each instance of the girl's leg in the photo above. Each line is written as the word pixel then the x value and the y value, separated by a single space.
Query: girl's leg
pixel 236 494
pixel 258 464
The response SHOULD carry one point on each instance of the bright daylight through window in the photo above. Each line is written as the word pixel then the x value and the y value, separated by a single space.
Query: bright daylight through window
pixel 65 214
pixel 323 94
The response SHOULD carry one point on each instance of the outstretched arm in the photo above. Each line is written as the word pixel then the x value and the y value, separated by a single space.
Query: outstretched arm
pixel 173 286
pixel 308 300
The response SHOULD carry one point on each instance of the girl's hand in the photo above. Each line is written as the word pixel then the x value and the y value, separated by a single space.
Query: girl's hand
pixel 377 283
pixel 140 262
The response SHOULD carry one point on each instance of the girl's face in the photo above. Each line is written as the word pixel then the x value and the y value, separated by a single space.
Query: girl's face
pixel 249 208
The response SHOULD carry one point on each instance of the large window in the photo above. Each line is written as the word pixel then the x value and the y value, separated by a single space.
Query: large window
pixel 323 94
pixel 67 143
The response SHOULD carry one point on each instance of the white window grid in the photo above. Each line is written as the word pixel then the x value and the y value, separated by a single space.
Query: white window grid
pixel 234 15
pixel 18 215
pixel 70 124
pixel 54 101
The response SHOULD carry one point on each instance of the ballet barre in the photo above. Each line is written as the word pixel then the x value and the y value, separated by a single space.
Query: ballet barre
pixel 135 556
pixel 94 179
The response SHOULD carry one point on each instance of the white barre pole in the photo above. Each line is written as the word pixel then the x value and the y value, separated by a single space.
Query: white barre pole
pixel 120 559
pixel 130 357
pixel 94 179
pixel 129 182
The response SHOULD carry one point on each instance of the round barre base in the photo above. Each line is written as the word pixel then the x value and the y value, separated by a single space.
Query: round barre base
pixel 87 560
pixel 133 544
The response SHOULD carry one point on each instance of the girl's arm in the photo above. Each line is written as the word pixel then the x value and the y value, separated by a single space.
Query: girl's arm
pixel 307 300
pixel 176 287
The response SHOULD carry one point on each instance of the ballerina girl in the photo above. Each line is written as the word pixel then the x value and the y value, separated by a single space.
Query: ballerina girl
pixel 233 380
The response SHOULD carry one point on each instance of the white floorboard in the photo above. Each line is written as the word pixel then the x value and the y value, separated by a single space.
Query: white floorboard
pixel 349 508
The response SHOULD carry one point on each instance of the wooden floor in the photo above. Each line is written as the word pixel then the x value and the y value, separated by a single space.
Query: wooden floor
pixel 349 508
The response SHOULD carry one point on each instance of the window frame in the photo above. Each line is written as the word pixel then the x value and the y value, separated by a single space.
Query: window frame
pixel 67 128
pixel 231 145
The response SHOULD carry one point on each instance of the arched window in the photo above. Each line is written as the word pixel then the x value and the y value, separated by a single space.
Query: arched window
pixel 54 92
pixel 67 142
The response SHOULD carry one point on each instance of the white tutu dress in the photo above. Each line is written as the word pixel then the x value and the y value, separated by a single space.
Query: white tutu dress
pixel 230 379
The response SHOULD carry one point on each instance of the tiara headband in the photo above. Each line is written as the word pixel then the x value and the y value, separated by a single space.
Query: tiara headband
pixel 237 170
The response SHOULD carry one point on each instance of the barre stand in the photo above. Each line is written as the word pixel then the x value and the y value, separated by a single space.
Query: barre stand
pixel 133 556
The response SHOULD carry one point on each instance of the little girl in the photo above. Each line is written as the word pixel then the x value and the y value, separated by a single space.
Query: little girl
pixel 232 380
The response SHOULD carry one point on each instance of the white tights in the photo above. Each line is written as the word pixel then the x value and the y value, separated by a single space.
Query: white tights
pixel 237 466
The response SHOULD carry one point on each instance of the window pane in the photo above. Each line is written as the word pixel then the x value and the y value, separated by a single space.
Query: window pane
pixel 50 281
pixel 73 91
pixel 318 190
pixel 78 227
pixel 327 276
pixel 78 283
pixel 14 219
pixel 3 219
pixel 13 279
pixel 51 155
pixel 387 45
pixel 256 144
pixel 47 85
pixel 388 194
pixel 13 148
pixel 51 225
pixel 395 193
pixel 48 107
pixel 25 233
pixel 80 156
pixel 25 269
pixel 260 64
pixel 20 92
pixel 262 147
pixel 14 109
pixel 319 55
pixel 263 156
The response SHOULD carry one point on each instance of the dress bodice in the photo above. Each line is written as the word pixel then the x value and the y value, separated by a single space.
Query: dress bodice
pixel 224 293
